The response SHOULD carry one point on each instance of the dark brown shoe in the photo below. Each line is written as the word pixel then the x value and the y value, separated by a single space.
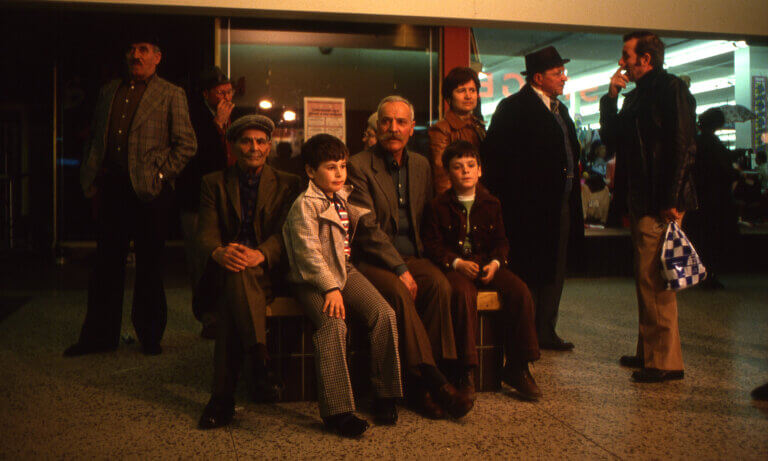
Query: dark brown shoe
pixel 466 385
pixel 452 401
pixel 522 381
pixel 654 375
pixel 631 361
pixel 428 408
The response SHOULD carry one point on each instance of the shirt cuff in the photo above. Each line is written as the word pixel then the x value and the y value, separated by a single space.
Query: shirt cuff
pixel 401 269
pixel 453 264
pixel 332 289
pixel 498 264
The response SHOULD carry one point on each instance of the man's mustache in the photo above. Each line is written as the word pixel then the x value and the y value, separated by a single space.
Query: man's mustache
pixel 388 136
pixel 134 61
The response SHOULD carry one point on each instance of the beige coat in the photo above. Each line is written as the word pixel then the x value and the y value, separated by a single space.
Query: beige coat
pixel 314 238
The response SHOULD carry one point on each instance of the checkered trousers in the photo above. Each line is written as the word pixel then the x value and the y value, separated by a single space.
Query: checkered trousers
pixel 363 301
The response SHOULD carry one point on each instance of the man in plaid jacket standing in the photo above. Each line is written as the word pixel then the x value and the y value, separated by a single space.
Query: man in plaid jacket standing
pixel 142 138
pixel 653 137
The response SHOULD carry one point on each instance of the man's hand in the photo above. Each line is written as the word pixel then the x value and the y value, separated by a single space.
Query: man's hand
pixel 231 257
pixel 618 83
pixel 223 111
pixel 468 269
pixel 254 257
pixel 409 283
pixel 670 215
pixel 334 305
pixel 489 272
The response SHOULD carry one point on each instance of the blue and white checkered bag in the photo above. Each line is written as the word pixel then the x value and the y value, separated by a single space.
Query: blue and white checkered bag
pixel 680 264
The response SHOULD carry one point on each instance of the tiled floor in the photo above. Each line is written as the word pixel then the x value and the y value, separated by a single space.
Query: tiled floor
pixel 126 405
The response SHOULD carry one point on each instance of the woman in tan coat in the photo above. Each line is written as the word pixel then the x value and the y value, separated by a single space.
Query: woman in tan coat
pixel 460 89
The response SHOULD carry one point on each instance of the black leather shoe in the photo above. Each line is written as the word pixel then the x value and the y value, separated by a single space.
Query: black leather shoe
pixel 217 413
pixel 654 375
pixel 466 385
pixel 384 412
pixel 522 381
pixel 452 401
pixel 760 393
pixel 151 349
pixel 346 425
pixel 631 361
pixel 79 349
pixel 558 344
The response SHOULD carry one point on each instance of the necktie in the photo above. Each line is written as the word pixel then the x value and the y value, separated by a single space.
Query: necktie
pixel 553 105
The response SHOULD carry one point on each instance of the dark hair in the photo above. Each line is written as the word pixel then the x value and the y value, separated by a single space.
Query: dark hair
pixel 458 76
pixel 648 42
pixel 323 148
pixel 458 149
pixel 711 119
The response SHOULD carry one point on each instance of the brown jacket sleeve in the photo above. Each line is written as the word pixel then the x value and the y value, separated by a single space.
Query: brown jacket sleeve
pixel 436 246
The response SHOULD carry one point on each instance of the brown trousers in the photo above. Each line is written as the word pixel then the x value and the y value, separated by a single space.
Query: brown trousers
pixel 521 343
pixel 242 317
pixel 424 327
pixel 658 341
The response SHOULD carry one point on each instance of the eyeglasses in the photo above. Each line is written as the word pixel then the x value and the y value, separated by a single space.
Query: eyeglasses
pixel 223 93
pixel 558 73
pixel 258 141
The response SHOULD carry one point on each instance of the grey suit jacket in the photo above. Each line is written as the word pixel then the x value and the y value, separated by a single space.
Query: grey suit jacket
pixel 314 239
pixel 374 190
pixel 160 141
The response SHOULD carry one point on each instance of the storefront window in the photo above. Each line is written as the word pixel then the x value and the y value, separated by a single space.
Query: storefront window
pixel 275 70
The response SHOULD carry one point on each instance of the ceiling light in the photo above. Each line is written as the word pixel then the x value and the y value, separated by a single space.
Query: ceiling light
pixel 265 104
pixel 702 51
pixel 289 115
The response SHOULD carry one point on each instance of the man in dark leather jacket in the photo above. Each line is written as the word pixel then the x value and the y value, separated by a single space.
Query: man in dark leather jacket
pixel 654 139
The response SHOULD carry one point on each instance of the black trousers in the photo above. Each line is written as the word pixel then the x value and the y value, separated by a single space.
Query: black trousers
pixel 546 295
pixel 122 217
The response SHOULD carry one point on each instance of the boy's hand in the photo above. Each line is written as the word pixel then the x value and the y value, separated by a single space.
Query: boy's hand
pixel 230 257
pixel 409 283
pixel 489 272
pixel 468 269
pixel 334 305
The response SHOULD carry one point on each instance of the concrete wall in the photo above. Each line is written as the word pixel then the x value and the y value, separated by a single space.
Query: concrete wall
pixel 721 17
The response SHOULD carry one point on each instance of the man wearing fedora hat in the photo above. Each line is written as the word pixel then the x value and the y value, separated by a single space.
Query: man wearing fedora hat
pixel 530 160
pixel 142 139
pixel 210 112
pixel 240 244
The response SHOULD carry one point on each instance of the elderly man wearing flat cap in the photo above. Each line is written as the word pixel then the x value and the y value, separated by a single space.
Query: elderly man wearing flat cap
pixel 530 163
pixel 141 140
pixel 210 112
pixel 239 239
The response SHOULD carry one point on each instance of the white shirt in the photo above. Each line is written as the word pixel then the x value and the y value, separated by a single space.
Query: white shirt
pixel 544 98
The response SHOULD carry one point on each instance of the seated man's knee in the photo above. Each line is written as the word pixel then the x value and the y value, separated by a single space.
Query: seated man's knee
pixel 333 327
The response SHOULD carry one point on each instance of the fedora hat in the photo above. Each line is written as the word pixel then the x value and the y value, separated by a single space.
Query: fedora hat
pixel 544 59
pixel 211 78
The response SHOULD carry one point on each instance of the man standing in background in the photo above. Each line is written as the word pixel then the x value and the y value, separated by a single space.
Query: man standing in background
pixel 530 162
pixel 142 138
pixel 210 113
pixel 654 139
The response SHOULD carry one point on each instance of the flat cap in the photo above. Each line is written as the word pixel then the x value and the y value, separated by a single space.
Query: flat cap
pixel 254 121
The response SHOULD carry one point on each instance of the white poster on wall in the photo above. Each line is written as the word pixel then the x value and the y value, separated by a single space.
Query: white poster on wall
pixel 325 115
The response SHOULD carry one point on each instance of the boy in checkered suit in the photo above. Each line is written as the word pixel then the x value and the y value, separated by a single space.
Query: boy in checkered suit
pixel 318 235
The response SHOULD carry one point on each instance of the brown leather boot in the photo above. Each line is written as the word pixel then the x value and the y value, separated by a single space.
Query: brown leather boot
pixel 520 378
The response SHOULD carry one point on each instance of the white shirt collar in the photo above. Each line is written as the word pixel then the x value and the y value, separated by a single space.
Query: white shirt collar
pixel 544 98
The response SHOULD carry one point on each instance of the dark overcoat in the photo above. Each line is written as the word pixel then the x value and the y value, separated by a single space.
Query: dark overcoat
pixel 525 165
pixel 211 156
